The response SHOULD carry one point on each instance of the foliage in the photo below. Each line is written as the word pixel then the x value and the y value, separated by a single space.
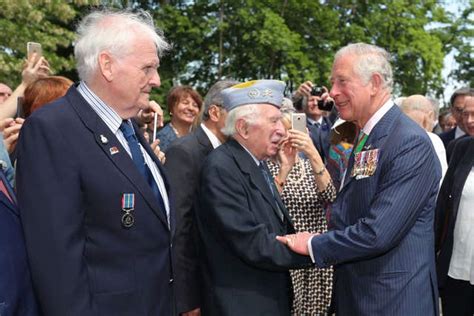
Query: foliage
pixel 291 40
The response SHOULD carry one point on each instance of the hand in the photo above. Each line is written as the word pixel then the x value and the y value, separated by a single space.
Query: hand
pixel 11 131
pixel 156 149
pixel 194 312
pixel 302 142
pixel 297 242
pixel 305 89
pixel 32 71
pixel 287 155
pixel 146 115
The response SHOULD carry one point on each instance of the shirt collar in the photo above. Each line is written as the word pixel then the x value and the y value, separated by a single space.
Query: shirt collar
pixel 105 112
pixel 215 142
pixel 369 126
pixel 312 122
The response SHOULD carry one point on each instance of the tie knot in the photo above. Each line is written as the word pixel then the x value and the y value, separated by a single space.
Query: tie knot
pixel 126 129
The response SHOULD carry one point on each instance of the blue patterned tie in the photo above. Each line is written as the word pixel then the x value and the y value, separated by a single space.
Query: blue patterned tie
pixel 137 158
pixel 269 181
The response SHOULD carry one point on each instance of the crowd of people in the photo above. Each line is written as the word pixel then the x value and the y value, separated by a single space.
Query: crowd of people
pixel 228 208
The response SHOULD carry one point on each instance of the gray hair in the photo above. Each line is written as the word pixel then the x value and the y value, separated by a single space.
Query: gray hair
pixel 416 103
pixel 371 59
pixel 435 106
pixel 213 96
pixel 112 31
pixel 248 112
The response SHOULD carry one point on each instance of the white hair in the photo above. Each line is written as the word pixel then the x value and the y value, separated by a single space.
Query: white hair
pixel 114 32
pixel 248 112
pixel 370 59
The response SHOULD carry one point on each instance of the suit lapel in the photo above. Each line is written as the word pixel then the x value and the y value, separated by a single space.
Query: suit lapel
pixel 248 166
pixel 465 166
pixel 114 150
pixel 375 139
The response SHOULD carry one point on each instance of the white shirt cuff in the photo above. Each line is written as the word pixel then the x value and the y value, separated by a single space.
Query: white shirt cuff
pixel 310 249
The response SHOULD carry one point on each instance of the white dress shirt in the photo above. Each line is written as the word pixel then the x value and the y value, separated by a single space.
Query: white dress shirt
pixel 461 266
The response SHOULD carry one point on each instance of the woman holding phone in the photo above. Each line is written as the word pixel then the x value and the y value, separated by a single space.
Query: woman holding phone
pixel 306 188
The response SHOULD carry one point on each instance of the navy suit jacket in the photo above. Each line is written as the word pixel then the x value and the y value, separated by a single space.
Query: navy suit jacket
pixel 447 206
pixel 381 239
pixel 184 161
pixel 16 291
pixel 448 136
pixel 71 176
pixel 245 269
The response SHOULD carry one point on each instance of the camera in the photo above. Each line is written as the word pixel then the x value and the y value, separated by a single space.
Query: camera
pixel 324 105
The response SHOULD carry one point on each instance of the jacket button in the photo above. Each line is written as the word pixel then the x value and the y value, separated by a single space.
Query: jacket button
pixel 171 281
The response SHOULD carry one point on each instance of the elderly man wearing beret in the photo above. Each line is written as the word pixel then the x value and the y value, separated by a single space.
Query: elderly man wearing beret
pixel 245 269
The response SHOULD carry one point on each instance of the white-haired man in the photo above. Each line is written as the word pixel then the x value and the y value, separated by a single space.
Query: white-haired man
pixel 93 198
pixel 381 239
pixel 245 269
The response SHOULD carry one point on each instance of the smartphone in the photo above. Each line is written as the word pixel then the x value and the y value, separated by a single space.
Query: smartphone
pixel 31 48
pixel 20 111
pixel 298 122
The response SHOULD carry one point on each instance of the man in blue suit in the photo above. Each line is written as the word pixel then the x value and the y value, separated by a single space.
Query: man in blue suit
pixel 16 291
pixel 381 239
pixel 93 197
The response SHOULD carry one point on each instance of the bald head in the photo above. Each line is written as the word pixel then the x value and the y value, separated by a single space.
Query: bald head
pixel 419 109
pixel 5 92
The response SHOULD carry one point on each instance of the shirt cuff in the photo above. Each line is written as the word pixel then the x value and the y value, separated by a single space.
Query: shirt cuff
pixel 310 249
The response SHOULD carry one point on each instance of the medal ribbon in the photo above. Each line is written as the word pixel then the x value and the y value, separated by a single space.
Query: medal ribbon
pixel 361 142
pixel 128 201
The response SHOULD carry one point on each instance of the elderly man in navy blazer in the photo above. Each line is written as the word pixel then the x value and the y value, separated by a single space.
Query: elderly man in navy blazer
pixel 16 291
pixel 245 269
pixel 93 197
pixel 381 238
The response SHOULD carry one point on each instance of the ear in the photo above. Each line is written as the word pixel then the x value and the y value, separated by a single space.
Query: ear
pixel 376 83
pixel 214 113
pixel 241 128
pixel 106 65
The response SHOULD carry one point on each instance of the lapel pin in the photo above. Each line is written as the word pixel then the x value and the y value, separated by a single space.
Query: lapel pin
pixel 103 139
pixel 113 150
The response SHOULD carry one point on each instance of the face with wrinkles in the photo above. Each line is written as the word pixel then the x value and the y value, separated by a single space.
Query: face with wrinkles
pixel 133 76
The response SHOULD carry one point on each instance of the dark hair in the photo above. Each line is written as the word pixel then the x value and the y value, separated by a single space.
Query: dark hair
pixel 460 92
pixel 179 92
pixel 43 91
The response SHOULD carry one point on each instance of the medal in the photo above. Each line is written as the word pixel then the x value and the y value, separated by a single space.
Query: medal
pixel 128 205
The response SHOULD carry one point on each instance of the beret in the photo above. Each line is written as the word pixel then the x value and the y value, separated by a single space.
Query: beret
pixel 254 92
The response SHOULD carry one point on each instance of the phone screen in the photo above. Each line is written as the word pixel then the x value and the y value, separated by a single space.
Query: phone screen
pixel 31 48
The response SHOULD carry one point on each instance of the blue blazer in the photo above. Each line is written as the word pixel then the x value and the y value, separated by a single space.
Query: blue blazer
pixel 245 269
pixel 16 291
pixel 72 173
pixel 381 240
pixel 167 136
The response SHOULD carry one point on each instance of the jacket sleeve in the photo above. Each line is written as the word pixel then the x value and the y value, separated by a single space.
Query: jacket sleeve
pixel 52 214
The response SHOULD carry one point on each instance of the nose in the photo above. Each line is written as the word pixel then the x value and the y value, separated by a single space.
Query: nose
pixel 155 80
pixel 334 91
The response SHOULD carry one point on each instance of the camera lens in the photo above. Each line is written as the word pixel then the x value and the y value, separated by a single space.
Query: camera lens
pixel 317 91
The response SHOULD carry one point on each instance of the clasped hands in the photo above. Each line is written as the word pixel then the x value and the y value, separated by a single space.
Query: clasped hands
pixel 297 242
